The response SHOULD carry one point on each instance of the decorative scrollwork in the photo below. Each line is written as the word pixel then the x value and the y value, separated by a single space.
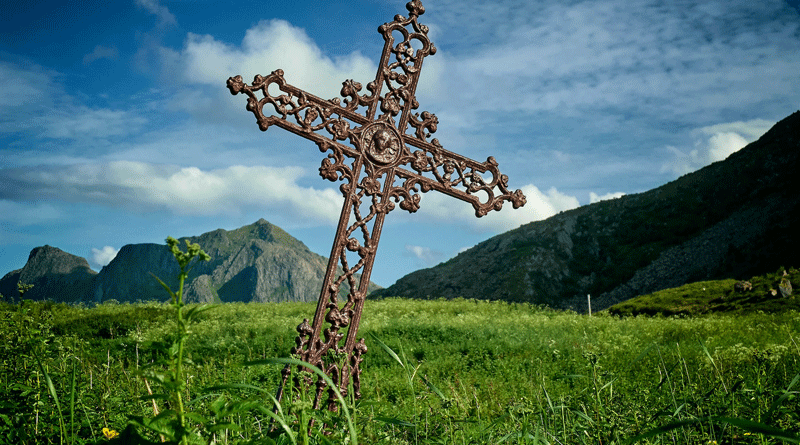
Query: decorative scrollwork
pixel 355 363
pixel 461 177
pixel 333 167
pixel 428 122
pixel 353 100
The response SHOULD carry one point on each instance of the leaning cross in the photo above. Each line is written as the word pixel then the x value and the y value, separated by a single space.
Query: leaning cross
pixel 393 145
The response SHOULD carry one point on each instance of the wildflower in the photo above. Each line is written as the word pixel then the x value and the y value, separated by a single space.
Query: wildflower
pixel 109 433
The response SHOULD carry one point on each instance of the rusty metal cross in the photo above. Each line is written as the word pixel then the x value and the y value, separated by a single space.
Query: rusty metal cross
pixel 385 148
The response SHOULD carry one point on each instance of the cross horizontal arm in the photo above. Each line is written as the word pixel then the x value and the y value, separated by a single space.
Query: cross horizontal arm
pixel 458 176
pixel 319 113
pixel 473 182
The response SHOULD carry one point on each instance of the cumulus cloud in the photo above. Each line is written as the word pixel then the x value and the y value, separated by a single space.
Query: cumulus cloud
pixel 180 190
pixel 714 143
pixel 101 257
pixel 540 205
pixel 205 62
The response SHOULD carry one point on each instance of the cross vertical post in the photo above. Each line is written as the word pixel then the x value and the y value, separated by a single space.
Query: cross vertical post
pixel 387 143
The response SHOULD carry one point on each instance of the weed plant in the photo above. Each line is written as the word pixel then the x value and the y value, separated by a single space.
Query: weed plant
pixel 443 372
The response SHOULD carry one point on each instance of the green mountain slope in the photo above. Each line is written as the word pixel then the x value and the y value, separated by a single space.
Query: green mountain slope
pixel 735 218
pixel 775 292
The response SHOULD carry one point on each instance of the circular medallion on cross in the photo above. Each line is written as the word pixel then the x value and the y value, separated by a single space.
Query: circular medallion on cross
pixel 381 143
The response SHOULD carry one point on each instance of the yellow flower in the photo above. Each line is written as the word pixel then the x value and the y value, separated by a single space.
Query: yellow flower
pixel 109 434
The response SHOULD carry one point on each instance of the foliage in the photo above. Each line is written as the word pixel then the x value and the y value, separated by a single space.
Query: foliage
pixel 458 371
pixel 22 288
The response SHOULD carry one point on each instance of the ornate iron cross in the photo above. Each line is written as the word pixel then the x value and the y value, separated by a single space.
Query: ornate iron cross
pixel 392 146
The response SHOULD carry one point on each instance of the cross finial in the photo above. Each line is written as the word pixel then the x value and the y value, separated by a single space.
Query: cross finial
pixel 415 8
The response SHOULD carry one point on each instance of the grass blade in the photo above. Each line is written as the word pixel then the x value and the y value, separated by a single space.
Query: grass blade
pixel 393 421
pixel 72 402
pixel 662 429
pixel 433 388
pixel 786 394
pixel 52 390
pixel 388 350
pixel 760 428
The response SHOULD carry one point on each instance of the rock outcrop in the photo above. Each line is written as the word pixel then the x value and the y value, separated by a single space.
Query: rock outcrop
pixel 255 263
pixel 54 274
pixel 130 275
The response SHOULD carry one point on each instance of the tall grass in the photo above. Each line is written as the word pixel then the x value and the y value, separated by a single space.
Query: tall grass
pixel 455 372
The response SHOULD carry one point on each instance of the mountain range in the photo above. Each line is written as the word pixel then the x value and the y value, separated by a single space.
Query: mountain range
pixel 735 218
pixel 255 263
pixel 732 219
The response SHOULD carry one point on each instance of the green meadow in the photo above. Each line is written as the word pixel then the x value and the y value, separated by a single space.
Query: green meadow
pixel 438 372
pixel 473 372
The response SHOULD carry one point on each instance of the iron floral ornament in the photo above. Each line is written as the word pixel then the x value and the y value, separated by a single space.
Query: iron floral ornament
pixel 389 161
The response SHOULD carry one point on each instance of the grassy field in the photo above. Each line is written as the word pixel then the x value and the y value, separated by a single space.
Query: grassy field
pixel 705 297
pixel 472 373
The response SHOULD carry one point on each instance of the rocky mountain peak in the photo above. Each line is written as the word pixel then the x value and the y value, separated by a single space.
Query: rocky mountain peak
pixel 259 262
pixel 54 274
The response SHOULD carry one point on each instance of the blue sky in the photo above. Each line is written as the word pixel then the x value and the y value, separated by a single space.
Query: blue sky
pixel 116 126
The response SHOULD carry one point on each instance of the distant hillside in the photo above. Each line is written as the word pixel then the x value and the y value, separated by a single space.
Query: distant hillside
pixel 775 292
pixel 255 263
pixel 54 274
pixel 735 218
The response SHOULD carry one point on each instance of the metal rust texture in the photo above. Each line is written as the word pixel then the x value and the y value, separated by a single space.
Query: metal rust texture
pixel 389 160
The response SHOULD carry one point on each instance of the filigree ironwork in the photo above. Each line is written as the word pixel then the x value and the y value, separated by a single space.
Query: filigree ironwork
pixel 383 148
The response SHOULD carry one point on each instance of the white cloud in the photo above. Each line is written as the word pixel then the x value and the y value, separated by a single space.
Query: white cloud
pixel 722 145
pixel 81 122
pixel 165 17
pixel 198 71
pixel 751 130
pixel 714 143
pixel 268 46
pixel 426 256
pixel 540 205
pixel 101 52
pixel 561 156
pixel 594 197
pixel 34 101
pixel 633 57
pixel 22 87
pixel 101 257
pixel 28 213
pixel 181 190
